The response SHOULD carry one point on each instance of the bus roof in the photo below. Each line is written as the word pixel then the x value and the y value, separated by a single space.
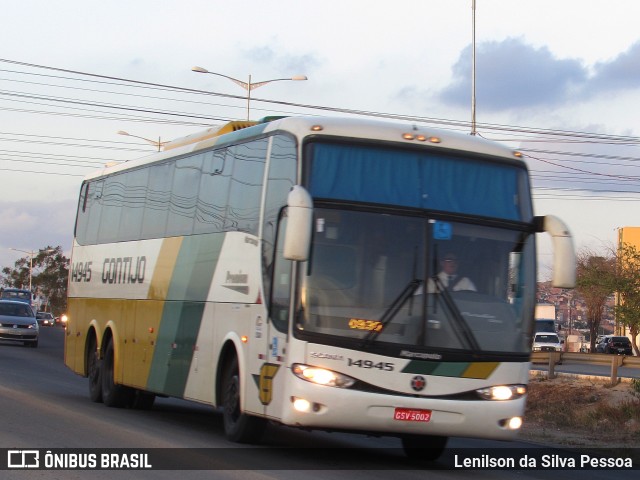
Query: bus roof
pixel 400 132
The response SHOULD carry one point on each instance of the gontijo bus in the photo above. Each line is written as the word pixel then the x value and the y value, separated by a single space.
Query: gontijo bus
pixel 289 271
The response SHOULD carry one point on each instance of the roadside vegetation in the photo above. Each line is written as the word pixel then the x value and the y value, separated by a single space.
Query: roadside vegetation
pixel 49 270
pixel 583 413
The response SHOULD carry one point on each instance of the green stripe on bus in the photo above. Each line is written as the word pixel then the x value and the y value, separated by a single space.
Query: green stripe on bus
pixel 480 370
pixel 181 319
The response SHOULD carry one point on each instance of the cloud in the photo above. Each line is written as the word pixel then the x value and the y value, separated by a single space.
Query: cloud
pixel 286 64
pixel 511 74
pixel 623 72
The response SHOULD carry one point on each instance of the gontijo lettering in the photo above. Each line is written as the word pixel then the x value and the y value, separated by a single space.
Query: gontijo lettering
pixel 124 270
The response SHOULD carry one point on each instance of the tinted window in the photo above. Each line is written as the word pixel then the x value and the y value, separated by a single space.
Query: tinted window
pixel 207 192
pixel 184 196
pixel 213 191
pixel 91 213
pixel 112 196
pixel 157 203
pixel 135 193
pixel 245 190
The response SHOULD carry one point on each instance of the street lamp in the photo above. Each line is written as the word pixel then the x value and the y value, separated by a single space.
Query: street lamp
pixel 249 85
pixel 157 143
pixel 31 255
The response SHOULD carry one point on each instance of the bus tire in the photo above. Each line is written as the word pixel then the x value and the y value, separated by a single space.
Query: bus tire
pixel 113 395
pixel 424 447
pixel 238 427
pixel 94 371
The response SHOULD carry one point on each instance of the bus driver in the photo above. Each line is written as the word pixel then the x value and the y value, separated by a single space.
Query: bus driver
pixel 449 277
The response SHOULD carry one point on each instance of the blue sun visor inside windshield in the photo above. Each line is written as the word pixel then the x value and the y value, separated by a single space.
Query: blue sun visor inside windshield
pixel 424 180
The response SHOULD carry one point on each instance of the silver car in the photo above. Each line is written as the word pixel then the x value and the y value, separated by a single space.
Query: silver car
pixel 18 323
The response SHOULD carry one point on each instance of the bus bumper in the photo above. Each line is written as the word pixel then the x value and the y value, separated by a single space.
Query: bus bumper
pixel 329 408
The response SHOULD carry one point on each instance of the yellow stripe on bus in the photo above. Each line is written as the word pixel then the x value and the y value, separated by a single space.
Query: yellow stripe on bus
pixel 163 273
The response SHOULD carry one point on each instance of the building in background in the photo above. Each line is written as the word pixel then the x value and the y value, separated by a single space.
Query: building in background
pixel 629 236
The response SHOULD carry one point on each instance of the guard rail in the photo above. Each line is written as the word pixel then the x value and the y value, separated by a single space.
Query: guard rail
pixel 614 361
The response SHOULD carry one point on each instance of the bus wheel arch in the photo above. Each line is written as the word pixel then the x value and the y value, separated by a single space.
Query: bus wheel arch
pixel 238 426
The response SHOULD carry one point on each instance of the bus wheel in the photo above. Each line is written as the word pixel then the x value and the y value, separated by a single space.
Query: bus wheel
pixel 113 395
pixel 424 447
pixel 238 427
pixel 94 371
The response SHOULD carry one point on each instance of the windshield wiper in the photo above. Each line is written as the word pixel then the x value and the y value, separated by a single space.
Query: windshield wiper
pixel 461 323
pixel 393 310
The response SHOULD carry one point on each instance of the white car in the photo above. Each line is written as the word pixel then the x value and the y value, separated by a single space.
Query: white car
pixel 546 342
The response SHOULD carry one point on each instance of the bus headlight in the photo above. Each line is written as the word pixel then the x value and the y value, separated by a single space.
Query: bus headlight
pixel 322 376
pixel 502 392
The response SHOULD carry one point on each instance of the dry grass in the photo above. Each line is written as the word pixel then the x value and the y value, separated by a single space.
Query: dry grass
pixel 582 413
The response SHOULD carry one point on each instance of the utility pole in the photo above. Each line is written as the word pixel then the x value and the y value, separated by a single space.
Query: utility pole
pixel 473 68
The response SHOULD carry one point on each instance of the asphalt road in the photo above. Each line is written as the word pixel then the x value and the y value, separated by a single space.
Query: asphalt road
pixel 43 405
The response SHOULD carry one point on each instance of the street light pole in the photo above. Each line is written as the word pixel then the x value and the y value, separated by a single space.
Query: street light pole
pixel 248 86
pixel 473 68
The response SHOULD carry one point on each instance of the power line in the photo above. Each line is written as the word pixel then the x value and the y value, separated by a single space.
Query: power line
pixel 570 173
pixel 45 173
pixel 453 123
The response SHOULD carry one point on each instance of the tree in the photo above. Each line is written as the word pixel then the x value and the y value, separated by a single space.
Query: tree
pixel 628 289
pixel 595 282
pixel 49 275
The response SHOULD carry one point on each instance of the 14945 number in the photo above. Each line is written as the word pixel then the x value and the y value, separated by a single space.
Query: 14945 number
pixel 386 366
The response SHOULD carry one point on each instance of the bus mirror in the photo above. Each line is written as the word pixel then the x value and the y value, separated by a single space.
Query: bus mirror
pixel 564 256
pixel 297 240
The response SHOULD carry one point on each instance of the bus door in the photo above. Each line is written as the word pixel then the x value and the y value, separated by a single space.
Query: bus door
pixel 272 374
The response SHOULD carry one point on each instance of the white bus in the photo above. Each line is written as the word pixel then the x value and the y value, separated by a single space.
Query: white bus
pixel 290 271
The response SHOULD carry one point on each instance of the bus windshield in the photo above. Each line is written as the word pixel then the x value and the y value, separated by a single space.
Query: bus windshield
pixel 422 283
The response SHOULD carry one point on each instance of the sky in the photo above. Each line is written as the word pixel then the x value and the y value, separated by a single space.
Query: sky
pixel 558 80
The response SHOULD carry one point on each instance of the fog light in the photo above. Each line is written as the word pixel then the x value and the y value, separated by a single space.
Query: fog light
pixel 301 405
pixel 514 423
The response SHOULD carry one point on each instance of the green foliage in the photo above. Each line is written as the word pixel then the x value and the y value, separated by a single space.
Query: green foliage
pixel 628 288
pixel 635 385
pixel 50 273
pixel 595 282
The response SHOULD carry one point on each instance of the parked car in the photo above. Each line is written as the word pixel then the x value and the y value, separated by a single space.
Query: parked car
pixel 45 319
pixel 18 323
pixel 614 344
pixel 546 342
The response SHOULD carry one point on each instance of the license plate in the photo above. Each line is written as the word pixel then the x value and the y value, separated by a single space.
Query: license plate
pixel 412 415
